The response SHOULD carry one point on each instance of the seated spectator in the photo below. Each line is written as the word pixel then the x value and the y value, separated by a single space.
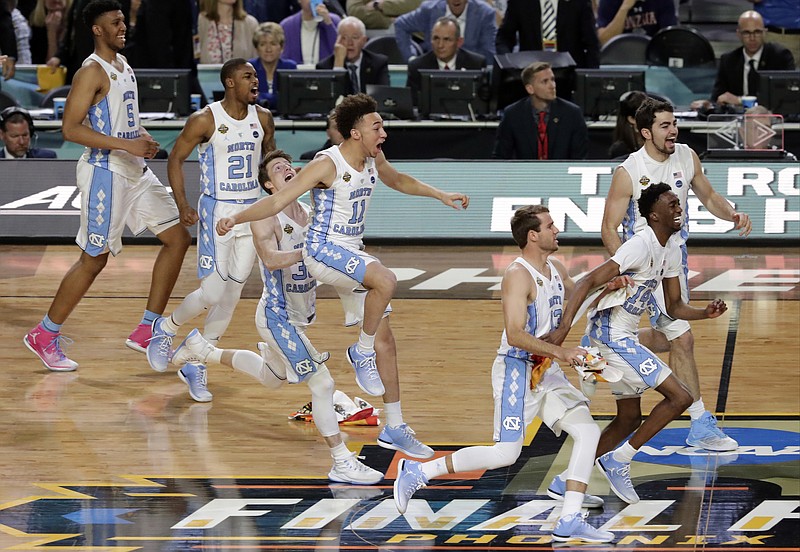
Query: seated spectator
pixel 363 66
pixel 48 26
pixel 269 42
pixel 571 28
pixel 8 44
pixel 615 17
pixel 334 138
pixel 22 32
pixel 475 17
pixel 226 31
pixel 310 37
pixel 380 14
pixel 758 120
pixel 446 54
pixel 541 126
pixel 16 131
pixel 626 139
pixel 737 74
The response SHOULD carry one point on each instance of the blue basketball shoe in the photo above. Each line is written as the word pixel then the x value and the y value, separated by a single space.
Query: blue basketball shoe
pixel 619 477
pixel 558 487
pixel 574 527
pixel 401 438
pixel 196 377
pixel 704 433
pixel 159 348
pixel 367 376
pixel 409 480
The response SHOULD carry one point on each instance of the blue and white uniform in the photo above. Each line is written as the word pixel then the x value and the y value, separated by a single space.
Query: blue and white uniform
pixel 677 171
pixel 116 187
pixel 228 184
pixel 334 248
pixel 288 306
pixel 515 403
pixel 613 326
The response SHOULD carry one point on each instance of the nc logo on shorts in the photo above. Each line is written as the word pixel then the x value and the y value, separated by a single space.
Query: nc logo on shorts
pixel 303 367
pixel 648 367
pixel 96 240
pixel 351 266
pixel 512 423
pixel 206 262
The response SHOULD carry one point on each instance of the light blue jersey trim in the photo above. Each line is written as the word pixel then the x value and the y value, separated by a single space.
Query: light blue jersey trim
pixel 99 216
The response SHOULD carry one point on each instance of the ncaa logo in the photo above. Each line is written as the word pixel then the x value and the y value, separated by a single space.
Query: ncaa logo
pixel 303 367
pixel 97 240
pixel 679 183
pixel 352 265
pixel 206 262
pixel 512 423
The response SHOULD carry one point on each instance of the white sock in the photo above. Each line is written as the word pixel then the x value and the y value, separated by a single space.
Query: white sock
pixel 696 409
pixel 572 503
pixel 394 415
pixel 625 453
pixel 340 452
pixel 366 343
pixel 434 468
pixel 169 326
pixel 214 357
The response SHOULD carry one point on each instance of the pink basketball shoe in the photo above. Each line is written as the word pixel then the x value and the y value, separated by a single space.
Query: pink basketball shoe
pixel 139 338
pixel 47 346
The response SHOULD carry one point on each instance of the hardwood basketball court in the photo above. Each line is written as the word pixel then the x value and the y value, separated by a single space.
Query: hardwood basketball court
pixel 150 457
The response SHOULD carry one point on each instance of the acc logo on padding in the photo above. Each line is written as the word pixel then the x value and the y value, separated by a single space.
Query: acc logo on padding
pixel 756 446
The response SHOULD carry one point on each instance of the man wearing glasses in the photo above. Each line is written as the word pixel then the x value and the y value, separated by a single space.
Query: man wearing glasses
pixel 737 75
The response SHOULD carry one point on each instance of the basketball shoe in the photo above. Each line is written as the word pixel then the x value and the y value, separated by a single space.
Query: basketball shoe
pixel 558 487
pixel 367 376
pixel 196 377
pixel 574 527
pixel 704 433
pixel 193 349
pixel 140 337
pixel 619 477
pixel 159 348
pixel 401 438
pixel 47 346
pixel 409 480
pixel 352 470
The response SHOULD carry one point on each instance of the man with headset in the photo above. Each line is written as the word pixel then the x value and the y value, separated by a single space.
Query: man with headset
pixel 16 131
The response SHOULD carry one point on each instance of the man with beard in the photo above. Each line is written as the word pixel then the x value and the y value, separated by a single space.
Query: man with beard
pixel 661 159
pixel 231 136
pixel 117 188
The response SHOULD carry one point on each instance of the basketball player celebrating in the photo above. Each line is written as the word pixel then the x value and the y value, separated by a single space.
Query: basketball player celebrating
pixel 661 159
pixel 653 254
pixel 341 180
pixel 527 383
pixel 231 135
pixel 286 308
pixel 117 188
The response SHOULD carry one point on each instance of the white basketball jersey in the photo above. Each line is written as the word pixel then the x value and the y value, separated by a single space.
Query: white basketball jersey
pixel 290 289
pixel 644 259
pixel 229 160
pixel 544 314
pixel 117 114
pixel 677 171
pixel 339 210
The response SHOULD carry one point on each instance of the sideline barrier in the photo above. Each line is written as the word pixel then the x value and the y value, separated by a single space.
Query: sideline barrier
pixel 38 199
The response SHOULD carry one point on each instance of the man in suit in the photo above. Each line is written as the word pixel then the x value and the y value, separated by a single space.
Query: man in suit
pixel 734 78
pixel 363 66
pixel 16 130
pixel 475 17
pixel 447 54
pixel 541 126
pixel 574 30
